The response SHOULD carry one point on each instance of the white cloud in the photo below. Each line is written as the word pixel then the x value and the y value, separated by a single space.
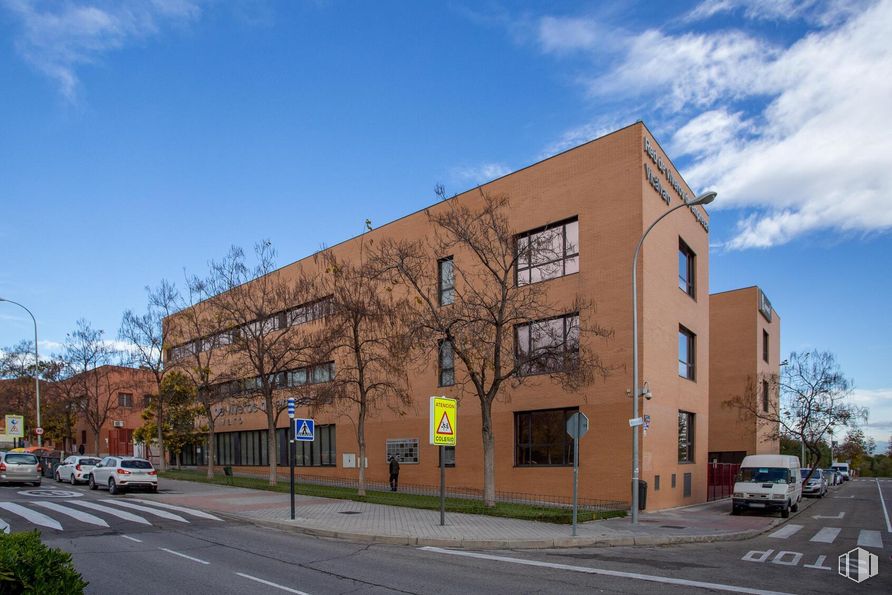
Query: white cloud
pixel 822 12
pixel 59 37
pixel 480 174
pixel 561 35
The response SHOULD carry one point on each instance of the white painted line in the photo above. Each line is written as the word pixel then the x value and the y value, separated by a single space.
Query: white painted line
pixel 826 535
pixel 4 526
pixel 885 512
pixel 271 584
pixel 132 538
pixel 870 539
pixel 112 511
pixel 158 513
pixel 786 531
pixel 604 572
pixel 84 517
pixel 32 516
pixel 834 517
pixel 164 549
pixel 191 511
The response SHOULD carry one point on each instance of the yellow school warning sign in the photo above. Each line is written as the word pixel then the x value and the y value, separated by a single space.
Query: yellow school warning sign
pixel 443 420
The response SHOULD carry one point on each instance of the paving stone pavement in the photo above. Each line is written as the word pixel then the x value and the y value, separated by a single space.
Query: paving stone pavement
pixel 359 521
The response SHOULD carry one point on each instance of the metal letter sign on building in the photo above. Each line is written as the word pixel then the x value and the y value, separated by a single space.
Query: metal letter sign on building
pixel 304 429
pixel 442 420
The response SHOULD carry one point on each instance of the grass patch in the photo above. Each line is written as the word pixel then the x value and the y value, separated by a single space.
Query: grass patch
pixel 502 509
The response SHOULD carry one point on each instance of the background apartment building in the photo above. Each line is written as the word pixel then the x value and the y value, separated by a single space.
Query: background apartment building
pixel 599 197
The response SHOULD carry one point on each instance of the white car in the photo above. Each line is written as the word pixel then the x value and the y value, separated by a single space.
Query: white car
pixel 122 473
pixel 75 468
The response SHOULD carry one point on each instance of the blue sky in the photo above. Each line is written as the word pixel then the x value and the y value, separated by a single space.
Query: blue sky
pixel 139 139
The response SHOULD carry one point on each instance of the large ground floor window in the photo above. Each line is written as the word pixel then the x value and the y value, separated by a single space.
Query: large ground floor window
pixel 540 437
pixel 250 448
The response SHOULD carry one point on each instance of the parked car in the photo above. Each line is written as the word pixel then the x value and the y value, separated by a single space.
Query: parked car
pixel 122 473
pixel 816 484
pixel 843 469
pixel 75 468
pixel 19 467
pixel 768 482
pixel 834 478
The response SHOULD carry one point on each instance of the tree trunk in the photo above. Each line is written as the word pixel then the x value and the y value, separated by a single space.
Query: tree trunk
pixel 96 442
pixel 271 440
pixel 162 464
pixel 210 445
pixel 489 451
pixel 360 438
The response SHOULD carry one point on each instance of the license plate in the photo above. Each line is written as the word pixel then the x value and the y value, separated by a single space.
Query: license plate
pixel 757 505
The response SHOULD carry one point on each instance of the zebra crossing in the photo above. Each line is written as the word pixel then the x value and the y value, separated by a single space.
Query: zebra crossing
pixel 57 515
pixel 866 538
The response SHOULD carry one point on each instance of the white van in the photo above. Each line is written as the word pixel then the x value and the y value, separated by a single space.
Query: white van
pixel 768 482
pixel 843 469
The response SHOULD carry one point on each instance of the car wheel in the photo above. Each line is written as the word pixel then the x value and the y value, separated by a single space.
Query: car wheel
pixel 795 507
pixel 58 477
pixel 155 489
pixel 92 483
pixel 72 479
pixel 113 488
pixel 36 484
pixel 735 511
pixel 785 511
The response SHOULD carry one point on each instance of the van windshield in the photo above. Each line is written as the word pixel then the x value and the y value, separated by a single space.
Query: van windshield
pixel 764 474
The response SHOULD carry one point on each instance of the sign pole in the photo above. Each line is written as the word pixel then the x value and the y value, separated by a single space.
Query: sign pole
pixel 291 450
pixel 442 486
pixel 576 469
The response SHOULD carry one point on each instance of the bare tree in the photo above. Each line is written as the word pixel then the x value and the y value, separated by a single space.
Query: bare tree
pixel 369 340
pixel 90 361
pixel 145 333
pixel 488 304
pixel 813 402
pixel 257 308
pixel 17 372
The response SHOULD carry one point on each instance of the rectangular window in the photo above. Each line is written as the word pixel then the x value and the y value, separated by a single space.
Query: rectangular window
pixel 404 449
pixel 686 260
pixel 685 437
pixel 547 346
pixel 446 364
pixel 446 275
pixel 146 401
pixel 656 483
pixel 765 345
pixel 548 252
pixel 540 438
pixel 765 396
pixel 321 452
pixel 686 353
pixel 125 400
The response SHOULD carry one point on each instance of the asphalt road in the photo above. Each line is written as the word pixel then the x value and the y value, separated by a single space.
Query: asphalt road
pixel 199 555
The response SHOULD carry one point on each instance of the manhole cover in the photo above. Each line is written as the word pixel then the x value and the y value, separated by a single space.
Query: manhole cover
pixel 350 512
pixel 51 493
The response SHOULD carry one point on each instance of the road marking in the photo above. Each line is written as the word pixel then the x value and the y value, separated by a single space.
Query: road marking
pixel 271 584
pixel 84 517
pixel 4 526
pixel 819 564
pixel 885 512
pixel 32 516
pixel 785 532
pixel 605 572
pixel 826 535
pixel 112 511
pixel 164 549
pixel 196 513
pixel 870 539
pixel 159 513
pixel 132 538
pixel 835 517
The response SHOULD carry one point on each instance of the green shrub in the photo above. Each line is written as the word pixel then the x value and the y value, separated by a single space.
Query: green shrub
pixel 29 566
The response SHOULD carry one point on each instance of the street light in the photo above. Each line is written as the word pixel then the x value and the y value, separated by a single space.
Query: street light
pixel 703 199
pixel 36 364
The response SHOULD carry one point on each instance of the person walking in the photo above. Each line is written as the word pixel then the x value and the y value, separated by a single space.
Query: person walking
pixel 394 473
pixel 80 449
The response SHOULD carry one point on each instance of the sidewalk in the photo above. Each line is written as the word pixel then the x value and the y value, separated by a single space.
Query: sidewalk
pixel 376 523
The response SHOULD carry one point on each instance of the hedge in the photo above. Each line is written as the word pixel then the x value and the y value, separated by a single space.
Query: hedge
pixel 28 566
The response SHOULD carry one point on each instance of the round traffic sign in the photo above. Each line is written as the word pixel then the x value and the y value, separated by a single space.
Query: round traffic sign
pixel 38 431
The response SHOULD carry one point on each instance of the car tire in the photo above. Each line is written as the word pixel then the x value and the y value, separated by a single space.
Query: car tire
pixel 92 483
pixel 36 484
pixel 735 510
pixel 795 507
pixel 72 479
pixel 58 477
pixel 154 489
pixel 785 511
pixel 113 488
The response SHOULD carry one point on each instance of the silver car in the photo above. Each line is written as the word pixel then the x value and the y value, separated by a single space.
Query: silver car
pixel 122 473
pixel 75 468
pixel 816 485
pixel 19 467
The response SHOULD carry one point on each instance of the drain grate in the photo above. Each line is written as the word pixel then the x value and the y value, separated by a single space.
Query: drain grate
pixel 350 512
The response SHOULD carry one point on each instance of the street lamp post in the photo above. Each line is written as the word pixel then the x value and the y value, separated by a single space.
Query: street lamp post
pixel 703 199
pixel 36 365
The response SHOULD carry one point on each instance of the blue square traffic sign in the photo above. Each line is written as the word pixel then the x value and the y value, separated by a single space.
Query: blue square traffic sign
pixel 304 429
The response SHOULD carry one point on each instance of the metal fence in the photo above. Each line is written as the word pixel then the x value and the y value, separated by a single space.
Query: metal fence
pixel 720 480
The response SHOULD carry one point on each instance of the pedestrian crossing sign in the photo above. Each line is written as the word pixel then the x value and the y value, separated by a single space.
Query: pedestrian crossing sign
pixel 442 421
pixel 304 429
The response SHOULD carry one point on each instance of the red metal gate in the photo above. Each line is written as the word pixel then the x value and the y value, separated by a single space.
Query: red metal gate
pixel 120 442
pixel 720 482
